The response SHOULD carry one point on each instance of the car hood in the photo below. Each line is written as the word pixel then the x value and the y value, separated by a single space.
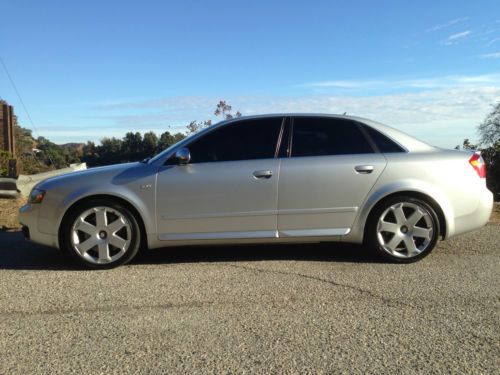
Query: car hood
pixel 89 175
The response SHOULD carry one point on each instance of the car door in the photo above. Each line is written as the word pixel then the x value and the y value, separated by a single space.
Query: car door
pixel 228 190
pixel 331 168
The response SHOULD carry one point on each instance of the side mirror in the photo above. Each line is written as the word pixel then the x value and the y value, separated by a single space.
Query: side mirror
pixel 183 156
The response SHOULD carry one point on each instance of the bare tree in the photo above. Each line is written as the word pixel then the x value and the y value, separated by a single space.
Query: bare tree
pixel 223 109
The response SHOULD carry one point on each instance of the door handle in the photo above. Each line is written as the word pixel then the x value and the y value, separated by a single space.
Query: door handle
pixel 263 174
pixel 364 169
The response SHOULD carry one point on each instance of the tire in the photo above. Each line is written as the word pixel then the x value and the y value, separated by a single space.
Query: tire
pixel 402 229
pixel 101 234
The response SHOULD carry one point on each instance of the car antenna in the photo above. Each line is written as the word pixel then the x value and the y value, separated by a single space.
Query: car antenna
pixel 345 113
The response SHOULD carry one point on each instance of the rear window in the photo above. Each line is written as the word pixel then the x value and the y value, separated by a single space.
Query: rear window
pixel 383 143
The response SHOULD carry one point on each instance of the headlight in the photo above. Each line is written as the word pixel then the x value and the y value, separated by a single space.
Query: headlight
pixel 36 196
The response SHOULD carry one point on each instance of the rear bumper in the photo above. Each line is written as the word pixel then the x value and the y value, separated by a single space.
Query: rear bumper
pixel 28 217
pixel 476 219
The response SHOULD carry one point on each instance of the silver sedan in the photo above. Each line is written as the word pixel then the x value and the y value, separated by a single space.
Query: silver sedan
pixel 267 179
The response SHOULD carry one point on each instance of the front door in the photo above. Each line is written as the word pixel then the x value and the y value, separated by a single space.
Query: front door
pixel 229 190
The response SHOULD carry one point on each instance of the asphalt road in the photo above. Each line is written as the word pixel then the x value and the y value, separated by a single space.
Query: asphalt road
pixel 307 308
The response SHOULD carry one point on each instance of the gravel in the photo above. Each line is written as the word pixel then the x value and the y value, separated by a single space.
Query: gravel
pixel 256 309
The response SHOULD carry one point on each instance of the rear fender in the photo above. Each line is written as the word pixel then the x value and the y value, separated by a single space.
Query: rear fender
pixel 400 187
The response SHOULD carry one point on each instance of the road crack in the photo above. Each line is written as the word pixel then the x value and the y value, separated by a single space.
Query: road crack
pixel 387 301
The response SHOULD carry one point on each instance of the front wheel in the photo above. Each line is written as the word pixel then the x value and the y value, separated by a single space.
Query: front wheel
pixel 403 229
pixel 101 234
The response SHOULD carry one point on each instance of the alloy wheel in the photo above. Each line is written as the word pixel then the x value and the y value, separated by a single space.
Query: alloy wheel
pixel 101 235
pixel 405 230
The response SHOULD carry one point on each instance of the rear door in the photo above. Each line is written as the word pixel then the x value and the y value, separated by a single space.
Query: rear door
pixel 331 168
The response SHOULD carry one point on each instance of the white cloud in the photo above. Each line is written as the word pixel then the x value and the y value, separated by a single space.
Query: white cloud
pixel 454 38
pixel 494 55
pixel 440 110
pixel 448 24
pixel 402 84
pixel 442 117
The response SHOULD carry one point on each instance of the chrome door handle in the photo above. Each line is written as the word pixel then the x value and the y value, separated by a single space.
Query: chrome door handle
pixel 263 174
pixel 365 169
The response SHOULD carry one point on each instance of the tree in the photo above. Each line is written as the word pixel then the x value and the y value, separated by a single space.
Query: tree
pixel 51 154
pixel 466 145
pixel 195 126
pixel 167 139
pixel 132 146
pixel 110 151
pixel 149 144
pixel 489 129
pixel 223 109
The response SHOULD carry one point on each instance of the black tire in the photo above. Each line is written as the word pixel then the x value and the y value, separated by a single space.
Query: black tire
pixel 132 230
pixel 374 237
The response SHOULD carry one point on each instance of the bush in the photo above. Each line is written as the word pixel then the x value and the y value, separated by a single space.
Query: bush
pixel 5 156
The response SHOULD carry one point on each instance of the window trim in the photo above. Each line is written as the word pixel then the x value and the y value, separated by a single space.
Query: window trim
pixel 280 138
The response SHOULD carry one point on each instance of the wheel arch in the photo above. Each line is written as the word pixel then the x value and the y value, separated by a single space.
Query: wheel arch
pixel 413 194
pixel 111 198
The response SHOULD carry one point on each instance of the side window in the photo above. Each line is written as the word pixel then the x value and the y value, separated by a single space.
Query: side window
pixel 383 143
pixel 243 140
pixel 316 136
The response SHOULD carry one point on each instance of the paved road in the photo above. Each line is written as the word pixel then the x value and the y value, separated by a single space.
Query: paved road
pixel 313 308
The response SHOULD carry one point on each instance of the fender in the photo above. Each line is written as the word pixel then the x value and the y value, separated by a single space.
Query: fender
pixel 408 185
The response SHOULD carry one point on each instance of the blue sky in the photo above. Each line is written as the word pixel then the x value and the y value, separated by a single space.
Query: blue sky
pixel 101 68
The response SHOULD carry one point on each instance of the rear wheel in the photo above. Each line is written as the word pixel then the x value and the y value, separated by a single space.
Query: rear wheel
pixel 101 234
pixel 403 229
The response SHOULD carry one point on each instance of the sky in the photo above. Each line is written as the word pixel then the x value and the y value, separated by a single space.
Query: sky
pixel 94 69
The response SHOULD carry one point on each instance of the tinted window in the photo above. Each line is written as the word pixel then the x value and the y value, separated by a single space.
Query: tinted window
pixel 327 136
pixel 383 143
pixel 243 140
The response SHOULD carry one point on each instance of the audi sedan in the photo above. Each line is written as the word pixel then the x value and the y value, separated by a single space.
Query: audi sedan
pixel 291 178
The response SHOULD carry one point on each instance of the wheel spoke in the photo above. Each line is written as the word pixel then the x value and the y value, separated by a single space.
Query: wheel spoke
pixel 385 226
pixel 116 225
pixel 415 217
pixel 104 252
pixel 422 233
pixel 86 245
pixel 100 218
pixel 410 246
pixel 399 214
pixel 413 229
pixel 394 242
pixel 101 242
pixel 85 227
pixel 118 242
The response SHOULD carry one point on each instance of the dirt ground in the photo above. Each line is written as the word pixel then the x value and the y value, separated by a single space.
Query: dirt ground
pixel 8 213
pixel 10 207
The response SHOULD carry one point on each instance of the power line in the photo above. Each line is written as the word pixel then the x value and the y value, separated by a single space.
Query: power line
pixel 22 104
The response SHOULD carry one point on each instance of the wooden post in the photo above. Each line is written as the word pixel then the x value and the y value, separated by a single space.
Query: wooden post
pixel 7 117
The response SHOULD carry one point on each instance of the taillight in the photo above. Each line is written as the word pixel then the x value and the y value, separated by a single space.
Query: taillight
pixel 477 162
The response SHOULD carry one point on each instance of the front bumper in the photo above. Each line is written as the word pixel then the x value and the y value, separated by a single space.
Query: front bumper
pixel 28 217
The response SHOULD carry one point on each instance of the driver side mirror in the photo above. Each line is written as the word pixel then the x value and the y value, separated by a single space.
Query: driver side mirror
pixel 182 156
